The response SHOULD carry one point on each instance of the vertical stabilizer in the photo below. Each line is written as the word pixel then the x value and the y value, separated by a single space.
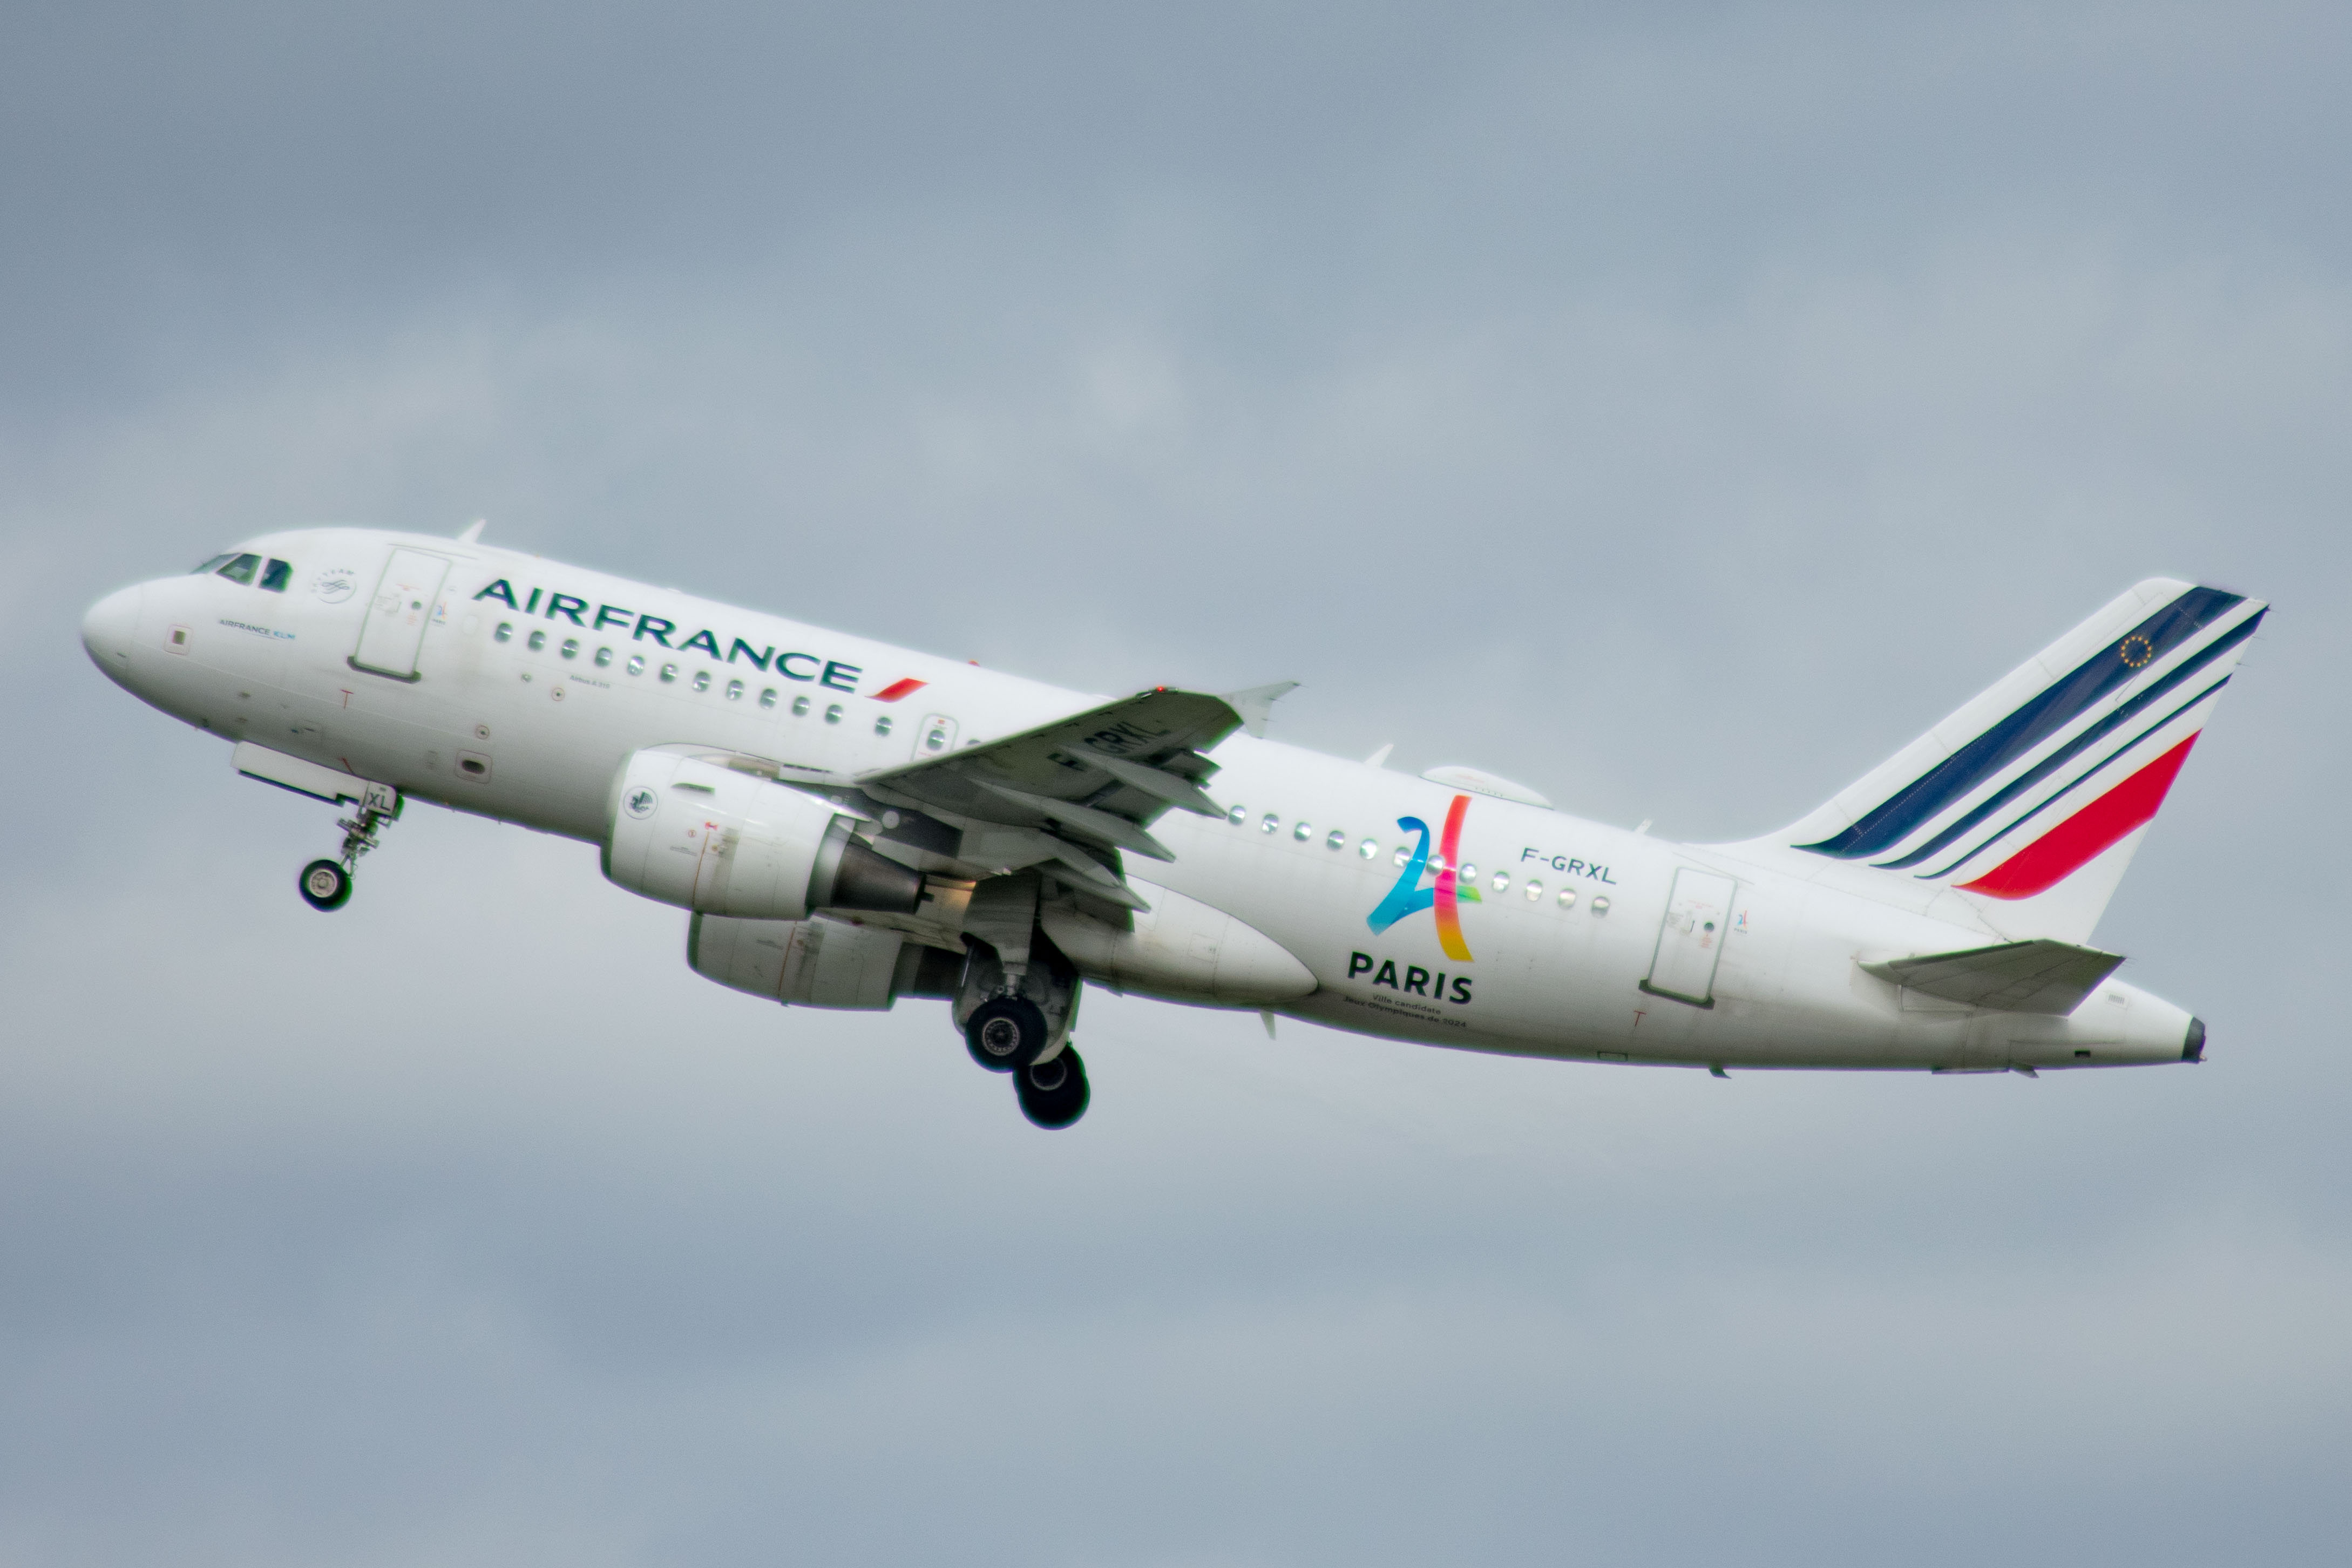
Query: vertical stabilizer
pixel 2029 801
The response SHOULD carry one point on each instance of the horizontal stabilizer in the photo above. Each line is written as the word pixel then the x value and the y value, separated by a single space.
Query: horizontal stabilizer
pixel 2036 977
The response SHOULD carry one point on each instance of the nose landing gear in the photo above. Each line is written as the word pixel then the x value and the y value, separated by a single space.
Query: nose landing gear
pixel 326 884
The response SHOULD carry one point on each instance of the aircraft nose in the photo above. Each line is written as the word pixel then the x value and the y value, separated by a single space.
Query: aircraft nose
pixel 107 629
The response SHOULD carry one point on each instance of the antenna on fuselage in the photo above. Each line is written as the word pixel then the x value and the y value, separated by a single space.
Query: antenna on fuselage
pixel 473 531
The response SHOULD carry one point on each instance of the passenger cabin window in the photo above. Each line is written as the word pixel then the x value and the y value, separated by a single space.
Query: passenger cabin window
pixel 241 569
pixel 1237 816
pixel 799 707
pixel 277 575
pixel 1272 824
pixel 832 713
pixel 538 641
pixel 637 664
pixel 1304 831
pixel 768 697
pixel 882 725
pixel 1535 891
pixel 1369 849
pixel 1338 841
pixel 734 691
pixel 604 657
pixel 702 680
pixel 669 671
pixel 571 649
pixel 504 633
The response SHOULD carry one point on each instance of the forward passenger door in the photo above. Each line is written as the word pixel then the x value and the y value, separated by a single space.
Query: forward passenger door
pixel 398 614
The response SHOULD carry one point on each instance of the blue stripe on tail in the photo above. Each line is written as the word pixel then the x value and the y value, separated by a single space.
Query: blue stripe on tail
pixel 2049 711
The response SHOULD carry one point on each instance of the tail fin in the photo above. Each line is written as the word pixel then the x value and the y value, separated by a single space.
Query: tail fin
pixel 2029 801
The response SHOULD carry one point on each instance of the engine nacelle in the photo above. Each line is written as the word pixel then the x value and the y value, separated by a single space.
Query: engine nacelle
pixel 697 834
pixel 818 963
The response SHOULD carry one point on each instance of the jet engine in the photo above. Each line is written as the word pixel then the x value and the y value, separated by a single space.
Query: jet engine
pixel 819 963
pixel 688 830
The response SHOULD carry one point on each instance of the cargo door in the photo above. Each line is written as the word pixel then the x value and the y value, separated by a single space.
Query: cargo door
pixel 397 616
pixel 1691 940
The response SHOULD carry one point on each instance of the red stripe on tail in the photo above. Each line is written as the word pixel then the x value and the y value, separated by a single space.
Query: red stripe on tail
pixel 2075 842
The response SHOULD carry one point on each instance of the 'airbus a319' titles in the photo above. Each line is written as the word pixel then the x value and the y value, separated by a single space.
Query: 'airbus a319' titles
pixel 849 823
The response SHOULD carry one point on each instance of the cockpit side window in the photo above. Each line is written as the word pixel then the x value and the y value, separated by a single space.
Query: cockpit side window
pixel 278 575
pixel 215 564
pixel 241 569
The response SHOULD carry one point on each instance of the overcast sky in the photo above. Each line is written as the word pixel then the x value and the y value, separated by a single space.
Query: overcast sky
pixel 1676 408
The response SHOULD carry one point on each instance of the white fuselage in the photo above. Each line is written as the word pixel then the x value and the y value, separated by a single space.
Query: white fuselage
pixel 530 726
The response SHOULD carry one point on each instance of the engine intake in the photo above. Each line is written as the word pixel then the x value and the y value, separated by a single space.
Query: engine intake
pixel 694 832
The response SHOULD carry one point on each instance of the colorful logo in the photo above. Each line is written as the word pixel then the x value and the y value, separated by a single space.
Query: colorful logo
pixel 1409 897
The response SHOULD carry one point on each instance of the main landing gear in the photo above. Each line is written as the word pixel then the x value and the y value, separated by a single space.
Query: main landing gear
pixel 1053 1092
pixel 1010 1035
pixel 1016 1016
pixel 327 883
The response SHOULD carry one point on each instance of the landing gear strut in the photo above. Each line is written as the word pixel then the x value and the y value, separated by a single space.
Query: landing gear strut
pixel 1017 1015
pixel 327 883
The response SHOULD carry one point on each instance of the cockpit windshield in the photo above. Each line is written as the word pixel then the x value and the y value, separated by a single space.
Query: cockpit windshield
pixel 240 567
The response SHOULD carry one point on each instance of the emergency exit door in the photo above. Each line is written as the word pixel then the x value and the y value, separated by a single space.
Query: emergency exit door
pixel 1690 942
pixel 937 737
pixel 398 614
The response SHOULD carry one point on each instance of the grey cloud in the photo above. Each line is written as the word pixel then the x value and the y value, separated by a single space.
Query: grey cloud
pixel 1677 411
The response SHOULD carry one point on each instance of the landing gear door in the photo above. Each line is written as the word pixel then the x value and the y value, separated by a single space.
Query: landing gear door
pixel 397 616
pixel 1690 942
pixel 936 738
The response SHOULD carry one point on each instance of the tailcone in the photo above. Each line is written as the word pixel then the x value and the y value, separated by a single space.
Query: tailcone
pixel 2194 1047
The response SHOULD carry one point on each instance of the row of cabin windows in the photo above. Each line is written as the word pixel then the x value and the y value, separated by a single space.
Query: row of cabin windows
pixel 701 682
pixel 1336 838
pixel 274 575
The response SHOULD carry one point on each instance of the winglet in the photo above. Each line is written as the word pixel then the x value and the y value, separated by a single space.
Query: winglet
pixel 473 533
pixel 1255 705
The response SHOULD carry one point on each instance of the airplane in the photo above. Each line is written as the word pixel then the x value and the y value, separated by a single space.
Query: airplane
pixel 849 823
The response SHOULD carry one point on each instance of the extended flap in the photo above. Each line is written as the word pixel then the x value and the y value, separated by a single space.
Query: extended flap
pixel 2036 977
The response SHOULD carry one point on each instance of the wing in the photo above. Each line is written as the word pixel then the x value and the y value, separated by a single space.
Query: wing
pixel 1077 792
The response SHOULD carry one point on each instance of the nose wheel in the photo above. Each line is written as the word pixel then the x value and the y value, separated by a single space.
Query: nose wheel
pixel 326 884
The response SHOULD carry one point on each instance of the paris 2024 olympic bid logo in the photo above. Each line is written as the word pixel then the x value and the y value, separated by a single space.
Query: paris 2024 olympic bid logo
pixel 1446 893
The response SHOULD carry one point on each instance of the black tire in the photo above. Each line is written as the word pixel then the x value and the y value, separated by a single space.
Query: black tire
pixel 1006 1033
pixel 1062 1098
pixel 325 885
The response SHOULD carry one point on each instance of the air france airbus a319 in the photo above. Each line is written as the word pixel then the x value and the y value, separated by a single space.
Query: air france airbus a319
pixel 850 823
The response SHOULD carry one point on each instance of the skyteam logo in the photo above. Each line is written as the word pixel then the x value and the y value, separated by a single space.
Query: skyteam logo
pixel 1445 893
